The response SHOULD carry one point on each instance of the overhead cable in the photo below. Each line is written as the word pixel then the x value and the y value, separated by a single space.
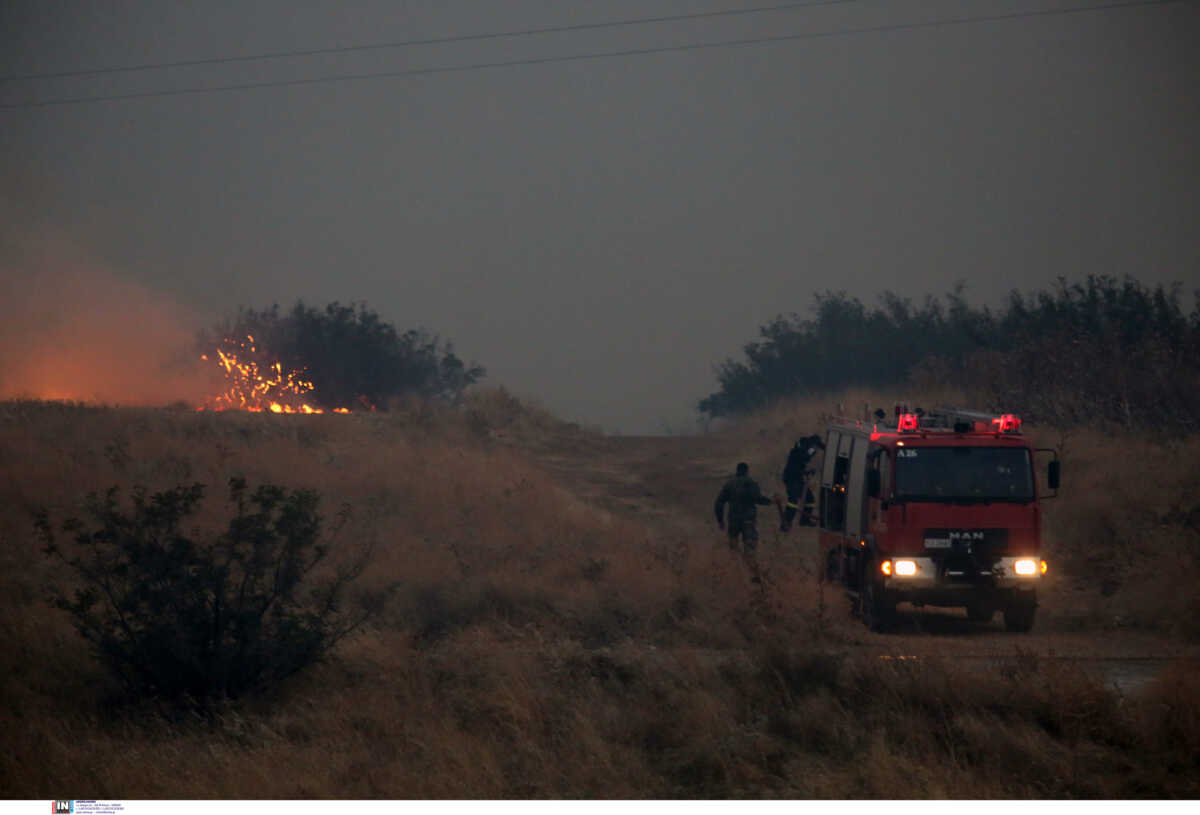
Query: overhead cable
pixel 495 35
pixel 479 66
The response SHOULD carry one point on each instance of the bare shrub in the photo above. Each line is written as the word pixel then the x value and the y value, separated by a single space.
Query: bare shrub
pixel 176 617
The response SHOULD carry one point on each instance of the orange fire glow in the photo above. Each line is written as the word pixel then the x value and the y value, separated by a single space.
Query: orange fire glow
pixel 258 389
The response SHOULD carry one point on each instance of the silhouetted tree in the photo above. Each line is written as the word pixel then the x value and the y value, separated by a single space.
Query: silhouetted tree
pixel 350 354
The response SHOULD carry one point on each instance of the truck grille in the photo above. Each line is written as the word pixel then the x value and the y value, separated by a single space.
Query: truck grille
pixel 965 555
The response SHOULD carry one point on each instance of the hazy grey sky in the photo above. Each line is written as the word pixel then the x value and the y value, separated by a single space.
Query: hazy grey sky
pixel 600 233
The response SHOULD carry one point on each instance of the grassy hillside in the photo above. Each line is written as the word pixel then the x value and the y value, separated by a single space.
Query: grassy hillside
pixel 540 642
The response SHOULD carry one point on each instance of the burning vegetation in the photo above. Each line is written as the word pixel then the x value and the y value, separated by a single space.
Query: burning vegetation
pixel 327 360
pixel 256 387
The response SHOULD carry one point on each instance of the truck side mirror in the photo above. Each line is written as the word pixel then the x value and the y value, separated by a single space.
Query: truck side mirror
pixel 873 483
pixel 1053 475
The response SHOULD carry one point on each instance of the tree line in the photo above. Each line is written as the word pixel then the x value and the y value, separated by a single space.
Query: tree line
pixel 1101 348
pixel 349 353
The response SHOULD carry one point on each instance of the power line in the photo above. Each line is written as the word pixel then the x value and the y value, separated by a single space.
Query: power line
pixel 412 72
pixel 433 40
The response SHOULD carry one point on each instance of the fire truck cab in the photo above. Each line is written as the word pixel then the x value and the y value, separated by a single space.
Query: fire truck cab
pixel 940 509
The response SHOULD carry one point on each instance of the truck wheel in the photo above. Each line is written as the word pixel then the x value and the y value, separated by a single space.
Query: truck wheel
pixel 875 607
pixel 980 612
pixel 1018 616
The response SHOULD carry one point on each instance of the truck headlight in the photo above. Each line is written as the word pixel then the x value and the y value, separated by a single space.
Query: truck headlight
pixel 1026 567
pixel 904 568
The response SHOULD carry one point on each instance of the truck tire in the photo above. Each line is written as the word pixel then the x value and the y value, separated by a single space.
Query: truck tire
pixel 833 569
pixel 1019 614
pixel 875 607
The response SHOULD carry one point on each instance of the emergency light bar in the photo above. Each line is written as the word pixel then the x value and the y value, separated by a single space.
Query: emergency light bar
pixel 962 421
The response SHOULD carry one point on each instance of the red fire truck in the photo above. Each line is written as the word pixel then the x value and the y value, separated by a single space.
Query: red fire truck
pixel 940 509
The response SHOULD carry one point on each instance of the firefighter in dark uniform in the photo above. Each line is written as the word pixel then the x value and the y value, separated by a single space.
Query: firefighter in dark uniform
pixel 744 497
pixel 795 480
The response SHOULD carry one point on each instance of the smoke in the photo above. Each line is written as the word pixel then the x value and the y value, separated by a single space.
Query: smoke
pixel 70 328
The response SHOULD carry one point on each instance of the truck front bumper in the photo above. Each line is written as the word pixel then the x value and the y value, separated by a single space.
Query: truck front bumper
pixel 921 575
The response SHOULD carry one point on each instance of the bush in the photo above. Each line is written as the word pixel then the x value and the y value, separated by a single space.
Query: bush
pixel 172 616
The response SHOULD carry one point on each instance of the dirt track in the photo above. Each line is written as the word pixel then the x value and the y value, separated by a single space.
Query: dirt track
pixel 669 483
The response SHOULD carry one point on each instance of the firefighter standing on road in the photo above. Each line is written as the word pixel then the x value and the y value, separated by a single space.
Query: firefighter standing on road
pixel 795 480
pixel 744 497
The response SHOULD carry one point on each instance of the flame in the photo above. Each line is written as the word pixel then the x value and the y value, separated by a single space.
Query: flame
pixel 258 389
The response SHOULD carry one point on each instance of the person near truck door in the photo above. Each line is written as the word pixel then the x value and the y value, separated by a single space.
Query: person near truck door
pixel 795 481
pixel 744 497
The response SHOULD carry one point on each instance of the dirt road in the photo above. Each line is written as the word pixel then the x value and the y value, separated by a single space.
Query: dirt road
pixel 669 484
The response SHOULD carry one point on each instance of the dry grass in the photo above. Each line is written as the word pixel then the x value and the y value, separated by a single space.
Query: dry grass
pixel 539 646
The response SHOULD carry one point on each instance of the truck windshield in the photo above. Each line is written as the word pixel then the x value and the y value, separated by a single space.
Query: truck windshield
pixel 963 474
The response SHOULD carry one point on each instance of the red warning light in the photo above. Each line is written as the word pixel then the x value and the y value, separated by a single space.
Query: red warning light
pixel 1007 423
pixel 908 423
